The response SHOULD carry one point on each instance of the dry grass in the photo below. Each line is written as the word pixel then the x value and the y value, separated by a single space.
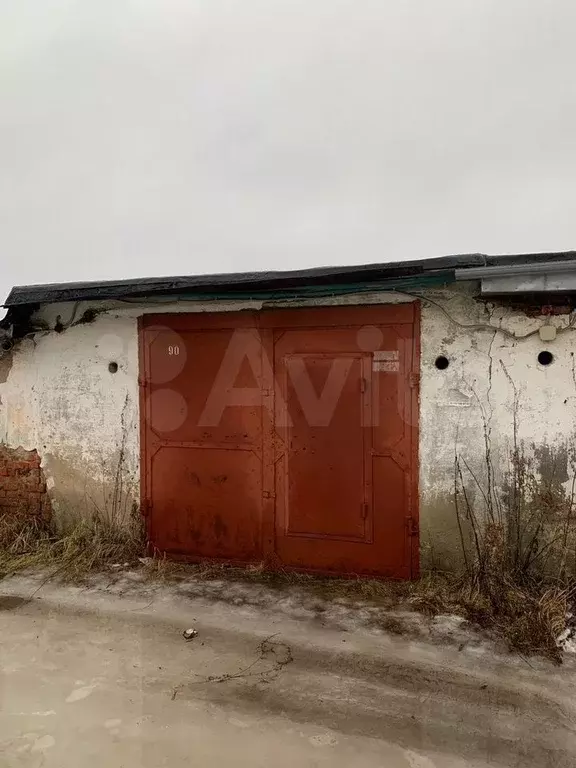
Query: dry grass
pixel 94 544
pixel 24 543
pixel 528 617
pixel 87 546
pixel 531 622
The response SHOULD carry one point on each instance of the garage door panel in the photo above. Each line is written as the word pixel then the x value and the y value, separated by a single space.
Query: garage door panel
pixel 341 500
pixel 204 449
pixel 345 558
pixel 195 403
pixel 206 502
pixel 322 483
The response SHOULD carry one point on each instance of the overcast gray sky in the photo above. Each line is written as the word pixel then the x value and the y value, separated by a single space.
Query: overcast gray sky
pixel 147 137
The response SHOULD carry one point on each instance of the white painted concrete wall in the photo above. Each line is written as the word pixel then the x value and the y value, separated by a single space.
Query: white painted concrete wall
pixel 60 398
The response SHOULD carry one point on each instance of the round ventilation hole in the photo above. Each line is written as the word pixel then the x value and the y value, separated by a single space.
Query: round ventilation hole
pixel 113 367
pixel 442 363
pixel 545 357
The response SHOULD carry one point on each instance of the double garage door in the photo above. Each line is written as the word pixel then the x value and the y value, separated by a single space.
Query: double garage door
pixel 284 436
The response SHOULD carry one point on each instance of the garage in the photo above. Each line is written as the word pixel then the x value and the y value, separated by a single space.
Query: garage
pixel 283 436
pixel 309 420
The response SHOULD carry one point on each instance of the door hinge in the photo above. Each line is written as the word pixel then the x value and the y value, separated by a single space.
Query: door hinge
pixel 269 494
pixel 412 525
pixel 414 380
pixel 145 507
pixel 363 385
pixel 364 510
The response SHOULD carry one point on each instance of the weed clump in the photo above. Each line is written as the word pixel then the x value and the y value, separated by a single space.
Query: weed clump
pixel 85 546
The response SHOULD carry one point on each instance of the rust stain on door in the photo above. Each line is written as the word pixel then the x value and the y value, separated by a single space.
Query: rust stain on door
pixel 289 435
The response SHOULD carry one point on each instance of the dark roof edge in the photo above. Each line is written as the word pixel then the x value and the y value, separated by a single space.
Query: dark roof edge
pixel 262 281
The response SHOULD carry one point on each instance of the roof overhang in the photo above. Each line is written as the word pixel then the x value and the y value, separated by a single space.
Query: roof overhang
pixel 248 284
pixel 501 274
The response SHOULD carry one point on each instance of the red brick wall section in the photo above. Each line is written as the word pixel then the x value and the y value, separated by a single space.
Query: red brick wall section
pixel 22 484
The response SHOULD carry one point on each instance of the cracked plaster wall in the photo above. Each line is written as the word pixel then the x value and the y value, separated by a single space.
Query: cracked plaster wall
pixel 468 409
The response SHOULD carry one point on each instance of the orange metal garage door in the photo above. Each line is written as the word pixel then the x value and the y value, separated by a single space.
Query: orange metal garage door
pixel 286 435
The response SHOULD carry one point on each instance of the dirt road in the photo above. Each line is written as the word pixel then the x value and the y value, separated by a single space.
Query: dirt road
pixel 94 679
